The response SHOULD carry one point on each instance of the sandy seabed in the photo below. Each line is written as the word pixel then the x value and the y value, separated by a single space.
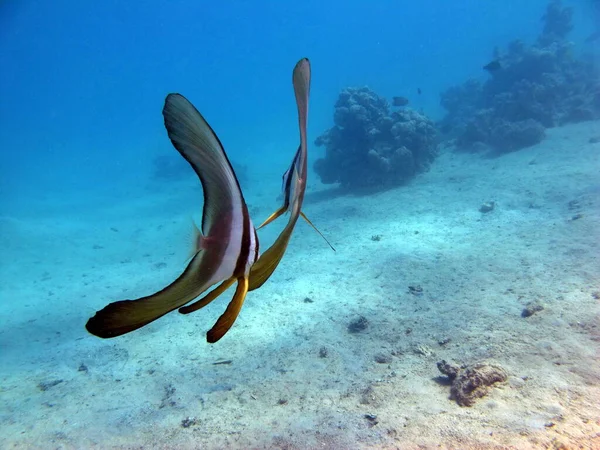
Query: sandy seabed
pixel 292 376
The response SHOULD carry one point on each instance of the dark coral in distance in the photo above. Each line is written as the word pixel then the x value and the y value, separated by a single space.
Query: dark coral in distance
pixel 370 146
pixel 538 86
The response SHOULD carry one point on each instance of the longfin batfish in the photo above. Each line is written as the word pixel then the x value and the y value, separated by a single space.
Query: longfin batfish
pixel 267 263
pixel 226 245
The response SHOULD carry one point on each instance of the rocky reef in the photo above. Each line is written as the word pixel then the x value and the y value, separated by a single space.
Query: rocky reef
pixel 372 146
pixel 469 383
pixel 531 88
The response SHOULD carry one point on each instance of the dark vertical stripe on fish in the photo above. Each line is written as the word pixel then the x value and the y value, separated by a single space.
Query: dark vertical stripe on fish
pixel 256 249
pixel 240 267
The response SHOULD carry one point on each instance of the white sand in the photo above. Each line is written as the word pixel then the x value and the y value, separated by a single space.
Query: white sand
pixel 477 271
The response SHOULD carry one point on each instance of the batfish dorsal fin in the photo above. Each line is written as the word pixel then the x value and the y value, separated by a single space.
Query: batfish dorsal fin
pixel 193 137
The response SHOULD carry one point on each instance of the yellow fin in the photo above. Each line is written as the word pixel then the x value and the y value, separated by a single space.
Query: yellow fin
pixel 316 229
pixel 262 269
pixel 273 216
pixel 124 316
pixel 225 322
pixel 208 297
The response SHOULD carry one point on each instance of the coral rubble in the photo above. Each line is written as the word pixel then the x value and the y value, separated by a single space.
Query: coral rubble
pixel 471 383
pixel 536 87
pixel 371 146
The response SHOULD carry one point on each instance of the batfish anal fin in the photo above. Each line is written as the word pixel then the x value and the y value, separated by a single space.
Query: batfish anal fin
pixel 226 320
pixel 208 297
pixel 262 269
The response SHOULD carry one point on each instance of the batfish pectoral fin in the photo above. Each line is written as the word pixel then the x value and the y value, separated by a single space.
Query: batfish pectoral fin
pixel 273 216
pixel 208 297
pixel 124 316
pixel 197 239
pixel 316 229
pixel 226 320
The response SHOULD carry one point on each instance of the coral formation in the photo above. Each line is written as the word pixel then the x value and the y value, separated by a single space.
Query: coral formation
pixel 535 87
pixel 471 383
pixel 371 146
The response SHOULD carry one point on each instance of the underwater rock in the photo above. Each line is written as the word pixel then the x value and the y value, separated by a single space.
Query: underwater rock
pixel 383 358
pixel 188 422
pixel 508 136
pixel 372 419
pixel 415 290
pixel 472 382
pixel 531 308
pixel 45 385
pixel 423 350
pixel 444 341
pixel 369 146
pixel 487 207
pixel 357 325
pixel 538 86
pixel 448 369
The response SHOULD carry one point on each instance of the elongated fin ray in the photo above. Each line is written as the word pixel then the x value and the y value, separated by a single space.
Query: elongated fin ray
pixel 316 229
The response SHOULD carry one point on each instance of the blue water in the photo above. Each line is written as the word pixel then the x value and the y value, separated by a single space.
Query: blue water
pixel 82 83
pixel 85 221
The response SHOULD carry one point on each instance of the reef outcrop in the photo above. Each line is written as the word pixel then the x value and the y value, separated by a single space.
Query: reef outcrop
pixel 471 382
pixel 531 88
pixel 372 146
